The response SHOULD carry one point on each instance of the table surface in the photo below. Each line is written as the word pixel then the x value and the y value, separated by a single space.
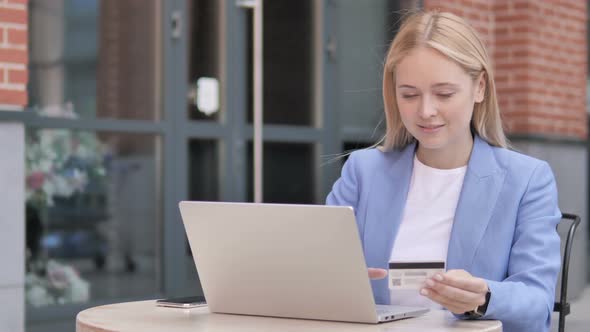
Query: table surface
pixel 146 316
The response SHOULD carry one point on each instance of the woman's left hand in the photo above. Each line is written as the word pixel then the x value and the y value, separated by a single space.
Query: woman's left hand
pixel 456 290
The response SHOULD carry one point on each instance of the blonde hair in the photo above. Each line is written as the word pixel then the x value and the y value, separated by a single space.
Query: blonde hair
pixel 456 39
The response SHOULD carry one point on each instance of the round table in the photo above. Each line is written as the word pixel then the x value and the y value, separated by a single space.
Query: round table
pixel 147 317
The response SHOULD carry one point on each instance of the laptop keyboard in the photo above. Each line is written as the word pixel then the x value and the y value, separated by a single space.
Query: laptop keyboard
pixel 383 309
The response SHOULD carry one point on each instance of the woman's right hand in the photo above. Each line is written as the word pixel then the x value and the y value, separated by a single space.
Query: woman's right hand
pixel 375 274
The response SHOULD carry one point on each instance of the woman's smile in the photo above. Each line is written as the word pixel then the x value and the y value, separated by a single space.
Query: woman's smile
pixel 431 129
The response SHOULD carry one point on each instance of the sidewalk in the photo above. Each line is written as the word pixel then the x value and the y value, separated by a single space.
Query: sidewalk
pixel 579 319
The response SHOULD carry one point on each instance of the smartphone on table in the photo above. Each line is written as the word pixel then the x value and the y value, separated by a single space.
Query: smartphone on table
pixel 183 302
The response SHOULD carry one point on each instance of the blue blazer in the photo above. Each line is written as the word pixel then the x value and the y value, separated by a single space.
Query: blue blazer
pixel 504 229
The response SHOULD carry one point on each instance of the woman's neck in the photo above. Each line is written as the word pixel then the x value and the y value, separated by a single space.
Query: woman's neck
pixel 452 156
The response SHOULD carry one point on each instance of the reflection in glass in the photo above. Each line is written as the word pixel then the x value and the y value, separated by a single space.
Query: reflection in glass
pixel 362 49
pixel 289 173
pixel 203 185
pixel 288 63
pixel 362 46
pixel 203 55
pixel 203 170
pixel 92 211
pixel 94 59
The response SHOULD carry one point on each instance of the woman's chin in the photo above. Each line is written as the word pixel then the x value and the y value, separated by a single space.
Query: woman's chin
pixel 431 143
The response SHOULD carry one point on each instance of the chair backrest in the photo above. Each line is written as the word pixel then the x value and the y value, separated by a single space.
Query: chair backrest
pixel 562 306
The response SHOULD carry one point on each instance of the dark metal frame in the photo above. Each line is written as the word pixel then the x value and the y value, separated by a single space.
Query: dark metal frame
pixel 563 307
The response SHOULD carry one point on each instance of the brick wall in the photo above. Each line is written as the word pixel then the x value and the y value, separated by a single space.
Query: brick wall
pixel 539 50
pixel 13 54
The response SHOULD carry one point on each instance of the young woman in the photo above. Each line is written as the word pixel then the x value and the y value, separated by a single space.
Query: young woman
pixel 443 185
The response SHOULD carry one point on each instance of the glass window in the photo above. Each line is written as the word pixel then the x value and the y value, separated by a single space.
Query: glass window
pixel 204 95
pixel 289 173
pixel 203 186
pixel 288 63
pixel 352 146
pixel 203 170
pixel 95 59
pixel 93 212
pixel 363 36
pixel 362 47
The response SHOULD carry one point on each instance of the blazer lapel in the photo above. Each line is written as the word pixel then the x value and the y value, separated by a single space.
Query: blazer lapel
pixel 387 198
pixel 482 184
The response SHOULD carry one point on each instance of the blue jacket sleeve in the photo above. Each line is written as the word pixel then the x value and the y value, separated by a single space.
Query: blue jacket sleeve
pixel 528 292
pixel 345 190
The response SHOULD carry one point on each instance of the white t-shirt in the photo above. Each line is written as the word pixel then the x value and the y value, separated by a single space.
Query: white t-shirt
pixel 426 224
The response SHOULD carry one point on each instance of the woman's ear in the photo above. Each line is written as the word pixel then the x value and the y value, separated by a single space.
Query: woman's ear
pixel 480 89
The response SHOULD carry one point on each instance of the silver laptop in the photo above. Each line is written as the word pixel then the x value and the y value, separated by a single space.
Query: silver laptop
pixel 296 261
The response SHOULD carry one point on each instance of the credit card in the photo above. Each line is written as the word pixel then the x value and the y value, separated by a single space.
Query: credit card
pixel 412 275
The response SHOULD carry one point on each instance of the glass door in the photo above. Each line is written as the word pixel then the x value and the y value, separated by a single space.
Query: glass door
pixel 320 94
pixel 215 118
